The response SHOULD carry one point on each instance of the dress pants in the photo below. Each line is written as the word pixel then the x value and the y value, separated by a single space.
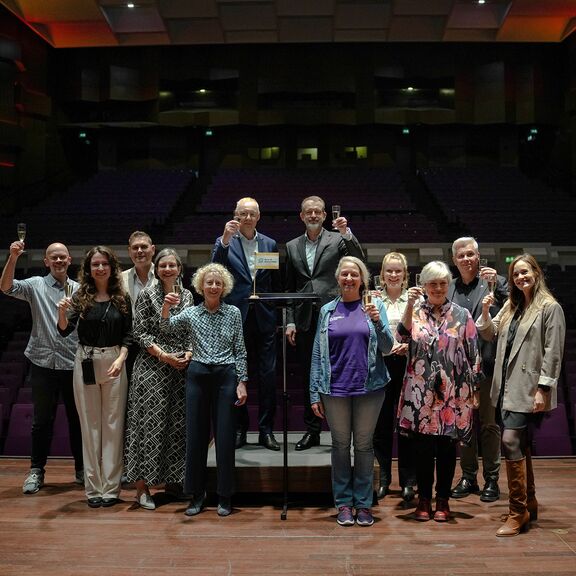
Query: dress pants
pixel 210 396
pixel 101 408
pixel 384 432
pixel 489 441
pixel 432 450
pixel 304 345
pixel 261 350
pixel 47 386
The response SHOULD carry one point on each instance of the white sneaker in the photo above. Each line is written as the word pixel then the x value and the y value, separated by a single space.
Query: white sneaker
pixel 34 481
pixel 146 502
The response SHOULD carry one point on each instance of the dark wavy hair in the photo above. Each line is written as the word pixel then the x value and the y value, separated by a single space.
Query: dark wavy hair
pixel 84 298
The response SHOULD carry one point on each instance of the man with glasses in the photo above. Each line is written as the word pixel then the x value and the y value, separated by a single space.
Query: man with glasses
pixel 236 250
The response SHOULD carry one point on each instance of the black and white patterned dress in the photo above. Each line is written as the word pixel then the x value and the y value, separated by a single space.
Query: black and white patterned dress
pixel 155 447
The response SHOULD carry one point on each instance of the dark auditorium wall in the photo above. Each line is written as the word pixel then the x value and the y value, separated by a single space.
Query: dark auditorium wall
pixel 77 111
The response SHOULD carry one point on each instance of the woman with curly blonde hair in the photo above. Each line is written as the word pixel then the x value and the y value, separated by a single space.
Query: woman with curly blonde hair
pixel 215 382
pixel 103 314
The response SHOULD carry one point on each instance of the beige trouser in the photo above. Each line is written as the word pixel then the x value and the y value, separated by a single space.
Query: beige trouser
pixel 101 408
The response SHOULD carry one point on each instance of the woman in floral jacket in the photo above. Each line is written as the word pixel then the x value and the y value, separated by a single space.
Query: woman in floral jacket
pixel 437 399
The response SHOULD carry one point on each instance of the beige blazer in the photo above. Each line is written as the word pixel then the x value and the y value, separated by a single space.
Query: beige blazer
pixel 535 358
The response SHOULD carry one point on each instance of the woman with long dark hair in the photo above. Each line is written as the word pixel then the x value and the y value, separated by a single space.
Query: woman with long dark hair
pixel 102 311
pixel 530 329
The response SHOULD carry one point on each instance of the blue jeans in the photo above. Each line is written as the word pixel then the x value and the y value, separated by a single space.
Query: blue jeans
pixel 353 416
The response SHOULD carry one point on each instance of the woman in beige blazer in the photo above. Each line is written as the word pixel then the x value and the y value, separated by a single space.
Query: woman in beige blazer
pixel 530 329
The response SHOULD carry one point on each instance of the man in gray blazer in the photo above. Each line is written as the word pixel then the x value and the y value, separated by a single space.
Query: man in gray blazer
pixel 141 252
pixel 311 262
pixel 468 291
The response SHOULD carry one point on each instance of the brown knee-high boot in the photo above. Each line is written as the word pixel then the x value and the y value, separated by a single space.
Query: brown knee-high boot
pixel 518 516
pixel 531 502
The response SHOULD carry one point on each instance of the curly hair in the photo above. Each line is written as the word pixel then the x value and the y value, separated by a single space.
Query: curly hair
pixel 217 270
pixel 84 298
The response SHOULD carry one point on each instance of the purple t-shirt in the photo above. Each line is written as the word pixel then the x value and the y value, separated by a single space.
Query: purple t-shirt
pixel 348 336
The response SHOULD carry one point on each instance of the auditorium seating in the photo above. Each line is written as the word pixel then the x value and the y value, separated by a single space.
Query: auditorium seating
pixel 502 204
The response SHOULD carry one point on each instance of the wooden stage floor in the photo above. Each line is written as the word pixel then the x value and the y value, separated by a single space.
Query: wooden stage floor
pixel 54 533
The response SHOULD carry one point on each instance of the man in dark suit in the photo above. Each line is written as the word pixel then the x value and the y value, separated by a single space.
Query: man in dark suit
pixel 311 262
pixel 235 249
pixel 468 291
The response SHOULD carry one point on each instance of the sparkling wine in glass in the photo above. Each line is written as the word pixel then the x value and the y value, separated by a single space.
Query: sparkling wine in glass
pixel 418 280
pixel 335 212
pixel 377 282
pixel 492 283
pixel 482 263
pixel 21 230
pixel 68 290
pixel 366 298
pixel 178 286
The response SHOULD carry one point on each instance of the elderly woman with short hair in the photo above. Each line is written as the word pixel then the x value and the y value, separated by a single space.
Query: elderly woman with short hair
pixel 215 382
pixel 437 399
pixel 347 383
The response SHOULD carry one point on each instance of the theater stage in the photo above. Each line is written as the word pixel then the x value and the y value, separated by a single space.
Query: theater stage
pixel 54 533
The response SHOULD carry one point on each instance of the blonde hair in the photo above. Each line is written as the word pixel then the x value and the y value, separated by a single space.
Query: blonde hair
pixel 404 263
pixel 364 274
pixel 217 270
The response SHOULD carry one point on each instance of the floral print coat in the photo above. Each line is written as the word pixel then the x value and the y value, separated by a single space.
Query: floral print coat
pixel 443 369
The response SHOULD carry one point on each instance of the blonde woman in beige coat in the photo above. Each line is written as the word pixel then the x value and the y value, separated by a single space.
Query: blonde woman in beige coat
pixel 530 329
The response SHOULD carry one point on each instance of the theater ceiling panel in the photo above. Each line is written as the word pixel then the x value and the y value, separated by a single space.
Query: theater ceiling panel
pixel 81 23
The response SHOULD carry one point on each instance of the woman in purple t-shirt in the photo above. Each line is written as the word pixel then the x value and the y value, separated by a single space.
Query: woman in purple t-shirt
pixel 347 381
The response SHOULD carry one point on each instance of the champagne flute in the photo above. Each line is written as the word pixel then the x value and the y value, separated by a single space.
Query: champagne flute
pixel 418 280
pixel 482 263
pixel 178 286
pixel 366 298
pixel 377 282
pixel 68 290
pixel 21 230
pixel 335 212
pixel 492 283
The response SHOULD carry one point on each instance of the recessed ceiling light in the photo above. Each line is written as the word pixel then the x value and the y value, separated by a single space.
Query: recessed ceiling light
pixel 131 5
pixel 481 1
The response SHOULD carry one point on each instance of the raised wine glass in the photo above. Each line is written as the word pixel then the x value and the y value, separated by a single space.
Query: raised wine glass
pixel 335 212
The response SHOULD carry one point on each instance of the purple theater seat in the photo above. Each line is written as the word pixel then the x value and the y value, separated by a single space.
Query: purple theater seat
pixel 14 368
pixel 60 441
pixel 18 436
pixel 24 396
pixel 553 437
pixel 12 382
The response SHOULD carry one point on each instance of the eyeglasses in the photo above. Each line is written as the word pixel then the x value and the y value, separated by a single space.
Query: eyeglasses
pixel 243 215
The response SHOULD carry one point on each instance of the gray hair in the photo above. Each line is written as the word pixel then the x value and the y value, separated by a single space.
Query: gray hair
pixel 435 270
pixel 463 241
pixel 164 254
pixel 217 270
pixel 364 274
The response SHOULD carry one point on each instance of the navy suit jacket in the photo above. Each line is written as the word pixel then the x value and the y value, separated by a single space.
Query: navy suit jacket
pixel 234 259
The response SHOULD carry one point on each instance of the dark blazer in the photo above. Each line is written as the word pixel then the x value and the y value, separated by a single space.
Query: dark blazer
pixel 487 349
pixel 266 280
pixel 331 247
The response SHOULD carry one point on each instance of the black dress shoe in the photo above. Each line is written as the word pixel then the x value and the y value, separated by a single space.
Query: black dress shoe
pixel 107 502
pixel 95 502
pixel 383 489
pixel 408 493
pixel 240 439
pixel 307 441
pixel 491 491
pixel 464 488
pixel 268 441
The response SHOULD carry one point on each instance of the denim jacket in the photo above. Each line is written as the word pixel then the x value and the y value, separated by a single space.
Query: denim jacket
pixel 380 342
